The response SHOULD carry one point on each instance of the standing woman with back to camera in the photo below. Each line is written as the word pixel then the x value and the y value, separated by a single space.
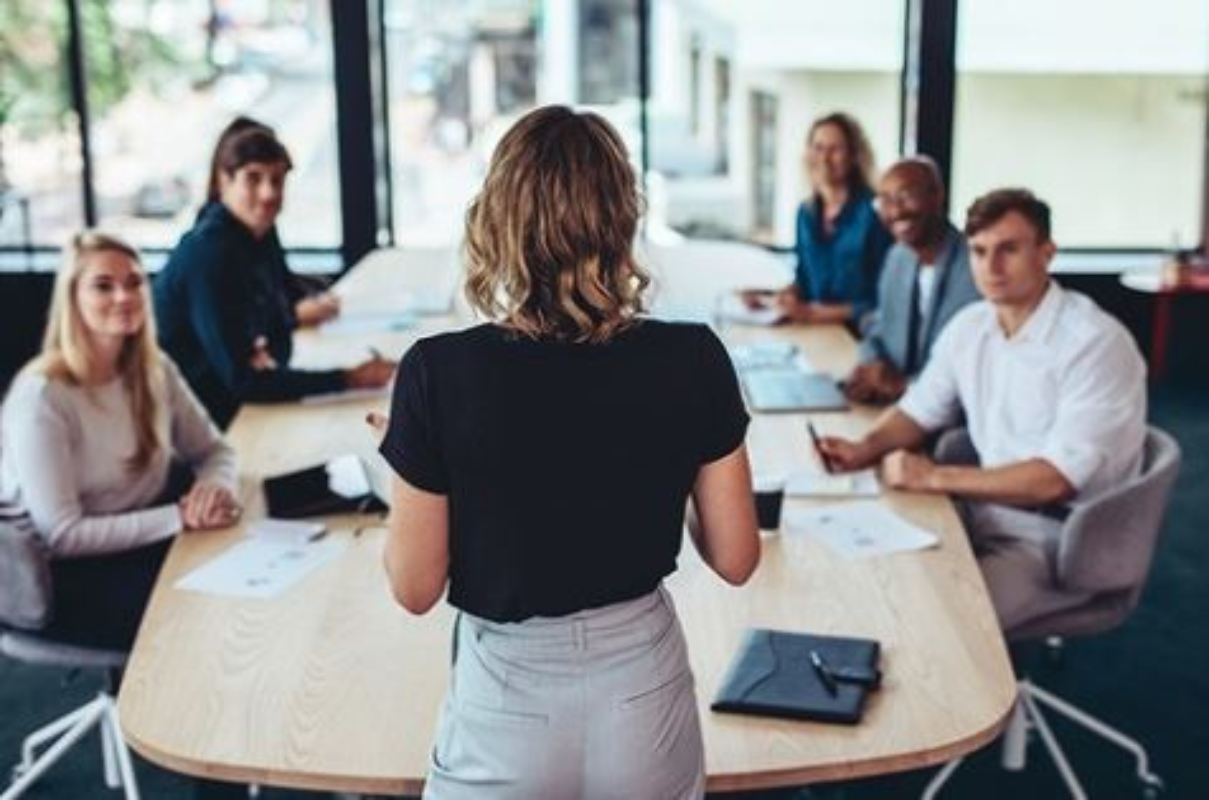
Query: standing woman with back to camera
pixel 544 460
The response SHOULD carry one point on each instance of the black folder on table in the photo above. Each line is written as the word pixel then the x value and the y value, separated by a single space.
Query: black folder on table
pixel 337 486
pixel 773 675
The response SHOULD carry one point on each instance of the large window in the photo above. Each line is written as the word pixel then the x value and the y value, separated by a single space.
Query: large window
pixel 165 76
pixel 461 72
pixel 735 84
pixel 1109 124
pixel 1097 105
pixel 41 200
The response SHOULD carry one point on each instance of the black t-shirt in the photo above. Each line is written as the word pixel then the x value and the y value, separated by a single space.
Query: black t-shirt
pixel 567 466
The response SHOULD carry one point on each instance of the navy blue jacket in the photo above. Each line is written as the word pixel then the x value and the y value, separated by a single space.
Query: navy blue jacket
pixel 897 319
pixel 220 290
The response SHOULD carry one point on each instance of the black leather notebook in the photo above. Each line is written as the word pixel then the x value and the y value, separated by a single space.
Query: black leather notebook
pixel 775 674
pixel 338 486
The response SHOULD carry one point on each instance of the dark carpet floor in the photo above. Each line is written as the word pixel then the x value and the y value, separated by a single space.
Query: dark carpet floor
pixel 1149 677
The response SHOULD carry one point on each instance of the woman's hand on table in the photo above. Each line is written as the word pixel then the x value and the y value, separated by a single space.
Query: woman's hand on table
pixel 209 505
pixel 370 374
pixel 316 309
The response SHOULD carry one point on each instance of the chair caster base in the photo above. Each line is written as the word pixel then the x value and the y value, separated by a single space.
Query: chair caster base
pixel 1152 787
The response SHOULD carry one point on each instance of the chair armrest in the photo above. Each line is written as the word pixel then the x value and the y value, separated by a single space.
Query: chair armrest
pixel 1108 543
pixel 954 447
pixel 26 600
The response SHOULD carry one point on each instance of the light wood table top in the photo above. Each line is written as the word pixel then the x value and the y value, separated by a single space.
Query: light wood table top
pixel 332 686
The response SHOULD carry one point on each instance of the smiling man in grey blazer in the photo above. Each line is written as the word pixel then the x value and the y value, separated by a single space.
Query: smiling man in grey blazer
pixel 925 280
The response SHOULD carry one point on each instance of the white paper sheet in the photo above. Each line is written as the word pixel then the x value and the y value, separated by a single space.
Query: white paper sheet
pixel 731 308
pixel 295 531
pixel 367 322
pixel 862 483
pixel 432 301
pixel 262 566
pixel 861 529
pixel 757 355
pixel 346 396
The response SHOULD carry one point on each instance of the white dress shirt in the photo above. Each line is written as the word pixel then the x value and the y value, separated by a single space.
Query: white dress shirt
pixel 1068 387
pixel 926 278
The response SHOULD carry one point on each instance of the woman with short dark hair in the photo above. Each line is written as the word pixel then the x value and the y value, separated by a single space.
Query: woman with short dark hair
pixel 544 460
pixel 312 303
pixel 223 300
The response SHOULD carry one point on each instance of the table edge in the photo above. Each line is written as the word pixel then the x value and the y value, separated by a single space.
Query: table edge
pixel 720 782
pixel 887 765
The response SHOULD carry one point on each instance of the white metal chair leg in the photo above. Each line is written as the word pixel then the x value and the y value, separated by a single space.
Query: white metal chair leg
pixel 122 753
pixel 940 779
pixel 62 735
pixel 29 773
pixel 109 758
pixel 1013 755
pixel 1051 744
pixel 54 730
pixel 1027 714
pixel 1101 729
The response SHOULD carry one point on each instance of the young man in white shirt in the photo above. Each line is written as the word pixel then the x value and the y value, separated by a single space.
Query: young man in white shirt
pixel 1054 397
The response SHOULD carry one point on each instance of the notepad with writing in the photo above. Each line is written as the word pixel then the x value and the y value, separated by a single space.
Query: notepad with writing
pixel 773 675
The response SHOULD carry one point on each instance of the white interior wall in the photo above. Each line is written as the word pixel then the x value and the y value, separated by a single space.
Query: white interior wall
pixel 1120 158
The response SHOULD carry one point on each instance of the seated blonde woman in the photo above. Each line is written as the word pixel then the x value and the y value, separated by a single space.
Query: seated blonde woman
pixel 90 431
pixel 544 462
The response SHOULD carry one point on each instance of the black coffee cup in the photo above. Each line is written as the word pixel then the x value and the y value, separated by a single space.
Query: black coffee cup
pixel 770 496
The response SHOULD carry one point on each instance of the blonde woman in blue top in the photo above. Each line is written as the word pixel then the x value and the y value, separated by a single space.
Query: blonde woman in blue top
pixel 840 241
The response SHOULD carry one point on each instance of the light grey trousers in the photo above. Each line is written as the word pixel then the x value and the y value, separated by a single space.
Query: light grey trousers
pixel 596 704
pixel 1017 551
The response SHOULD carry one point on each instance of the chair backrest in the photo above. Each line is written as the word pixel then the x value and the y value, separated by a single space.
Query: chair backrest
pixel 1108 543
pixel 25 590
pixel 954 447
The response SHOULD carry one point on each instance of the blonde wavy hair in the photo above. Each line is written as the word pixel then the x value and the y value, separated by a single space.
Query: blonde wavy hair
pixel 67 352
pixel 864 169
pixel 549 237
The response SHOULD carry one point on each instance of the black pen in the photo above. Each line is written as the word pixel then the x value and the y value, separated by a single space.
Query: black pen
pixel 818 447
pixel 376 354
pixel 823 671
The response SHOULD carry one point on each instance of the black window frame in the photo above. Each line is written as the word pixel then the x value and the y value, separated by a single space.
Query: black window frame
pixel 366 181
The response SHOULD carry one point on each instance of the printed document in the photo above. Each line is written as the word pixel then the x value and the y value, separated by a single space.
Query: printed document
pixel 346 396
pixel 861 529
pixel 262 566
pixel 357 322
pixel 862 483
pixel 731 308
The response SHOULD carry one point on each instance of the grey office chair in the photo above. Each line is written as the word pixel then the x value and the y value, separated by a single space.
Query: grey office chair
pixel 1106 548
pixel 25 605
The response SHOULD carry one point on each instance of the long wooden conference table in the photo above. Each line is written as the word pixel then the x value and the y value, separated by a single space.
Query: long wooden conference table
pixel 332 686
